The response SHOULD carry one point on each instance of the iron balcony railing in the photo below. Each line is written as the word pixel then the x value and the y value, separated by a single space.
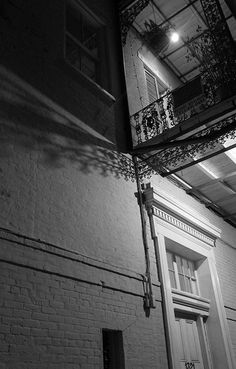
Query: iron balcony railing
pixel 176 107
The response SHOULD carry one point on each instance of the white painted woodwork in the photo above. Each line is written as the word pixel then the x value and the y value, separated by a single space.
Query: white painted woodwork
pixel 188 343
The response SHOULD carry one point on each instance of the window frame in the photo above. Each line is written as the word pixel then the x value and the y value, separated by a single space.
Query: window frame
pixel 147 72
pixel 160 86
pixel 102 79
pixel 191 277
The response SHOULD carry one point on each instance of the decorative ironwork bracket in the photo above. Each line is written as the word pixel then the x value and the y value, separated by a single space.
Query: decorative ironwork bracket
pixel 201 143
pixel 162 115
pixel 128 16
pixel 222 38
pixel 214 135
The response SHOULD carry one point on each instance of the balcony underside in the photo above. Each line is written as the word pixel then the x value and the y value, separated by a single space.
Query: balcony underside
pixel 197 129
pixel 187 135
pixel 183 152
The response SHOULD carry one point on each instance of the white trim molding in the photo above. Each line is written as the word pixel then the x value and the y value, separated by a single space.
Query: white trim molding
pixel 177 228
pixel 180 215
pixel 183 226
pixel 191 303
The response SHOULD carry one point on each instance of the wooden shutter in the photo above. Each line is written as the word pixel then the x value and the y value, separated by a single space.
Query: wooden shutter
pixel 151 87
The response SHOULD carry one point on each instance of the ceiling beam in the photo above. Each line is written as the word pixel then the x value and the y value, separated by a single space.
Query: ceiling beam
pixel 213 205
pixel 229 216
pixel 167 19
pixel 173 68
pixel 194 162
pixel 186 43
pixel 222 213
pixel 170 144
pixel 226 198
pixel 216 180
pixel 209 203
pixel 199 14
pixel 224 185
pixel 184 142
pixel 190 71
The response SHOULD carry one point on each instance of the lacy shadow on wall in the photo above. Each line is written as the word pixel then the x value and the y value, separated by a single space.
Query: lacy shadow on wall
pixel 30 120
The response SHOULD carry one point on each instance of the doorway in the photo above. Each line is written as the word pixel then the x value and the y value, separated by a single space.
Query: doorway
pixel 188 342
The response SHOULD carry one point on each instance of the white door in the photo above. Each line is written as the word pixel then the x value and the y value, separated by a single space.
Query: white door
pixel 187 343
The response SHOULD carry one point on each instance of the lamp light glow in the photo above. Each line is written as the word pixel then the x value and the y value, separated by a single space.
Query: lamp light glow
pixel 174 37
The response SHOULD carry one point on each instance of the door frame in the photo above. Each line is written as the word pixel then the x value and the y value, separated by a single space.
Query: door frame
pixel 202 335
pixel 171 219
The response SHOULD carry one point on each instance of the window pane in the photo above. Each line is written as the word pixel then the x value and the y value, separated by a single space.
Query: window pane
pixel 83 46
pixel 81 26
pixel 172 279
pixel 80 60
pixel 88 67
pixel 194 287
pixel 90 38
pixel 188 285
pixel 171 270
pixel 192 269
pixel 73 53
pixel 182 273
pixel 179 264
pixel 182 282
pixel 170 261
pixel 185 266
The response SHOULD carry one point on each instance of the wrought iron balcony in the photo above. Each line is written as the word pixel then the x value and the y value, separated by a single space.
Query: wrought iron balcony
pixel 178 106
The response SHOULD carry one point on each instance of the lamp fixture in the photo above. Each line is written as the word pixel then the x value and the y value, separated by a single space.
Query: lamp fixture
pixel 174 37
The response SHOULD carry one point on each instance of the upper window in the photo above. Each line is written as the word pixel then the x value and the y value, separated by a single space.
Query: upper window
pixel 84 41
pixel 155 88
pixel 151 86
pixel 182 273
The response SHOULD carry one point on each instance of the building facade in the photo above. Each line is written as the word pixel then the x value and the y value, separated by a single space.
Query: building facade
pixel 79 286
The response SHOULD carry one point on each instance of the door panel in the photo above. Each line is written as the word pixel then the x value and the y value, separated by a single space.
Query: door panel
pixel 193 341
pixel 180 342
pixel 187 343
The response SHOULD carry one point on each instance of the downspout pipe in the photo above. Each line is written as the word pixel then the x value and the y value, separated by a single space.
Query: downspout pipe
pixel 149 297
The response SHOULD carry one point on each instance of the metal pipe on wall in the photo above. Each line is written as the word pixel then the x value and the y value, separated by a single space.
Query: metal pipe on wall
pixel 149 297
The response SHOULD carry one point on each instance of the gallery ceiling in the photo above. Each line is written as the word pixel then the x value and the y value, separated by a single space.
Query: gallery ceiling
pixel 188 19
pixel 211 178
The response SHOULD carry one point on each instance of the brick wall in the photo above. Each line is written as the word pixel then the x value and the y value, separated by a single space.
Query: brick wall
pixel 54 304
pixel 225 262
pixel 71 250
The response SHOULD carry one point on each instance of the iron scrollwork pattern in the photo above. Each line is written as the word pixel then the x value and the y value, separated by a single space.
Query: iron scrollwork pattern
pixel 225 51
pixel 128 16
pixel 214 135
pixel 154 119
pixel 162 115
